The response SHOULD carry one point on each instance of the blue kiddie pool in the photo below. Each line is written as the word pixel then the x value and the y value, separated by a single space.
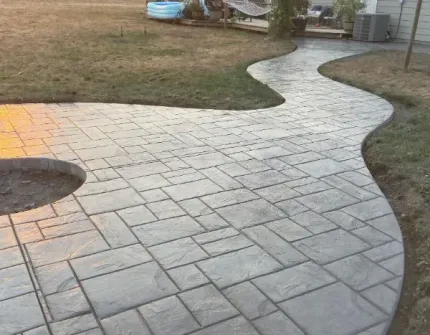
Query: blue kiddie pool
pixel 165 10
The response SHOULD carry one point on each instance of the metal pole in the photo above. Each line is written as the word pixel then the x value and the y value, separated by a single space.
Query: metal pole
pixel 225 13
pixel 412 38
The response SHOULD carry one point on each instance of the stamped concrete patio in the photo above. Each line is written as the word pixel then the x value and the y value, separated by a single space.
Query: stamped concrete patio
pixel 207 221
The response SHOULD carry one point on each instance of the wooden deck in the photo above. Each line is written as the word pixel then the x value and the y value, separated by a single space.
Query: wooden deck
pixel 262 26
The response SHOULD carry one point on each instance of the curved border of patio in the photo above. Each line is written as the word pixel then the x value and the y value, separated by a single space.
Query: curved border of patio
pixel 281 224
pixel 308 57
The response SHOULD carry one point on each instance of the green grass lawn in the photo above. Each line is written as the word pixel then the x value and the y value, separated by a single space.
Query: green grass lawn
pixel 62 51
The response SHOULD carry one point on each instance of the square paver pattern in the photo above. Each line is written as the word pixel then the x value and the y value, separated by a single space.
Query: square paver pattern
pixel 207 222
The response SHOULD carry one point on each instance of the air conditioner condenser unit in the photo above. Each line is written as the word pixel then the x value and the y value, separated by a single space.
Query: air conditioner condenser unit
pixel 371 27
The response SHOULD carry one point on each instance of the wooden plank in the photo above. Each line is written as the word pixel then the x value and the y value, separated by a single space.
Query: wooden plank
pixel 322 34
pixel 257 26
pixel 201 23
pixel 249 27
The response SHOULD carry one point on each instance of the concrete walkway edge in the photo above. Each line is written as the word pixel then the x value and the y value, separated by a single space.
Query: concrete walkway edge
pixel 206 221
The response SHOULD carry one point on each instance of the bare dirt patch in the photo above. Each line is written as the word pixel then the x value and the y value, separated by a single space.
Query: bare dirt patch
pixel 25 189
pixel 399 158
pixel 73 50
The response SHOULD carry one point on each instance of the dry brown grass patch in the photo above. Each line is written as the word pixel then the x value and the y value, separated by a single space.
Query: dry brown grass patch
pixel 382 73
pixel 73 50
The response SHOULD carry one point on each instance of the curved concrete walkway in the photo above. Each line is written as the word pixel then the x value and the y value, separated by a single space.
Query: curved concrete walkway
pixel 204 221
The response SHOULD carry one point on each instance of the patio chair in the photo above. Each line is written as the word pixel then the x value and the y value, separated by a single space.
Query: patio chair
pixel 326 13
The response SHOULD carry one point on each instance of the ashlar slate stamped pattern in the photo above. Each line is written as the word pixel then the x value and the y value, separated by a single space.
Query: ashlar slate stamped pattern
pixel 207 221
